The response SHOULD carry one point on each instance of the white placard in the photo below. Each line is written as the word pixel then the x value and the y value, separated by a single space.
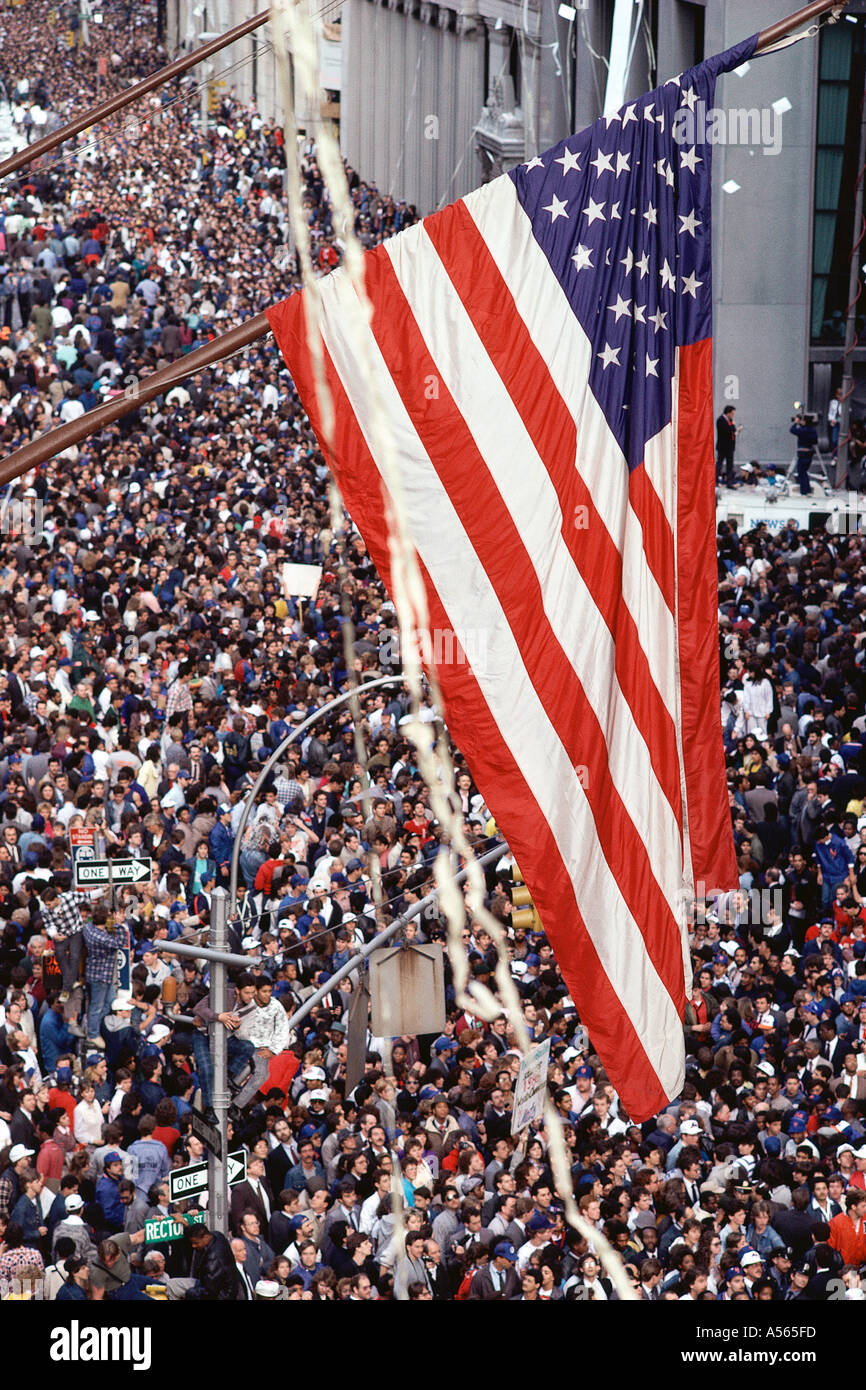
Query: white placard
pixel 531 1088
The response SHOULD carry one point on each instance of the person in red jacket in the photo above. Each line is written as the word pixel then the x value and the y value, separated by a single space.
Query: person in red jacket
pixel 848 1229
pixel 60 1096
pixel 166 1131
pixel 265 874
pixel 51 1159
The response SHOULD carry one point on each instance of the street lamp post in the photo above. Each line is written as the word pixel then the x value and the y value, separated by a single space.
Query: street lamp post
pixel 275 758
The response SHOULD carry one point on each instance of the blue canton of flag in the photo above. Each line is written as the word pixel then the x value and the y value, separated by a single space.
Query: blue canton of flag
pixel 622 212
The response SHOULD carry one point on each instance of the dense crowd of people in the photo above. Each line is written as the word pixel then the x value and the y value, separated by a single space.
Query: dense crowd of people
pixel 153 660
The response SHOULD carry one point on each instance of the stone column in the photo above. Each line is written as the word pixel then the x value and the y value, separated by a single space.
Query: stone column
pixel 500 132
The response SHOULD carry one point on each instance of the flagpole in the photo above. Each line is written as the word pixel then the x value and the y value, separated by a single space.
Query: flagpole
pixel 768 37
pixel 116 103
pixel 56 441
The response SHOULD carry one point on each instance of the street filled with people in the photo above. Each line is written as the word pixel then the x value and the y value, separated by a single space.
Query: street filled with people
pixel 155 654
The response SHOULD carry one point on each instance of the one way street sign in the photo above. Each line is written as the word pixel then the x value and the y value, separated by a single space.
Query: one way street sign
pixel 92 873
pixel 186 1182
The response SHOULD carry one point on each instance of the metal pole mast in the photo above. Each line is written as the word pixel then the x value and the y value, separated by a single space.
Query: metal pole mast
pixel 217 1171
pixel 275 758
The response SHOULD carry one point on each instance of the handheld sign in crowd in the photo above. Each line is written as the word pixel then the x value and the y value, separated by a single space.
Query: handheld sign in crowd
pixel 531 1087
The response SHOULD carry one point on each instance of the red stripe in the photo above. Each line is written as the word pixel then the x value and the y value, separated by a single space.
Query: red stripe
pixel 712 844
pixel 658 542
pixel 550 425
pixel 495 538
pixel 475 731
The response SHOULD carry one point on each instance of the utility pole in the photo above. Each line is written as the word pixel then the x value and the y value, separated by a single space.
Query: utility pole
pixel 217 1170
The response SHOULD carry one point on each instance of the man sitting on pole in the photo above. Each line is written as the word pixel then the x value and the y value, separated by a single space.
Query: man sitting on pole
pixel 237 1020
pixel 269 1034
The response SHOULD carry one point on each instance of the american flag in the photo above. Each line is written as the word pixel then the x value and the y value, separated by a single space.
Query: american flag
pixel 543 351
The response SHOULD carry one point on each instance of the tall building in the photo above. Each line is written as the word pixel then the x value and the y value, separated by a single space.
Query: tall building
pixel 435 99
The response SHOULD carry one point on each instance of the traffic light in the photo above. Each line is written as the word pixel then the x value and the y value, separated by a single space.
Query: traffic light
pixel 524 913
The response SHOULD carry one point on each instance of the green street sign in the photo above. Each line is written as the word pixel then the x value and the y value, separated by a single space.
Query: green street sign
pixel 166 1228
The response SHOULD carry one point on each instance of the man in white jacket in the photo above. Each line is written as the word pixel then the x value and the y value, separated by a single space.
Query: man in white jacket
pixel 757 701
pixel 268 1027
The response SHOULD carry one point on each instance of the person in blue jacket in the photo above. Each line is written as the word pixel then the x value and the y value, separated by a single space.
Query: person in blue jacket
pixel 108 1191
pixel 221 841
pixel 27 1212
pixel 54 1035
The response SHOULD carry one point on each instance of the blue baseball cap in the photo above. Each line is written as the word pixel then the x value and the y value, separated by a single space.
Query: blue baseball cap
pixel 798 1123
pixel 539 1223
pixel 504 1251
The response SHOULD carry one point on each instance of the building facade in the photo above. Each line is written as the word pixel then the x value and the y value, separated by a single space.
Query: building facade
pixel 435 99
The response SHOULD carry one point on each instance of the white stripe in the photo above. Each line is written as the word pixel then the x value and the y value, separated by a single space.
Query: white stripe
pixel 657 464
pixel 525 487
pixel 464 589
pixel 559 337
